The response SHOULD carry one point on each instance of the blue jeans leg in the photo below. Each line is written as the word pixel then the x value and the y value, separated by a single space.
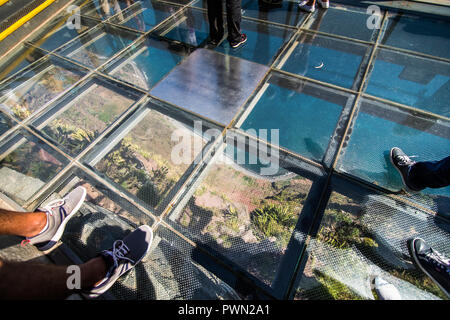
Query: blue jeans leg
pixel 430 174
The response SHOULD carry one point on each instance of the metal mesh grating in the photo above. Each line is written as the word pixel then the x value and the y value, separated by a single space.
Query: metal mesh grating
pixel 363 236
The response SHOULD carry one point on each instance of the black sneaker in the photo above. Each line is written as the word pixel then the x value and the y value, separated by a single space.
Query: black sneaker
pixel 123 256
pixel 402 163
pixel 243 40
pixel 214 42
pixel 432 263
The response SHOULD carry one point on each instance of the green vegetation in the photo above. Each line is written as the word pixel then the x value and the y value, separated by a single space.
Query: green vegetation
pixel 72 138
pixel 335 289
pixel 275 220
pixel 341 230
pixel 420 280
pixel 123 167
pixel 33 161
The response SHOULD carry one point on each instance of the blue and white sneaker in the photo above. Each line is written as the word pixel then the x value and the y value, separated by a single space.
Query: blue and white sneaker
pixel 123 256
pixel 59 212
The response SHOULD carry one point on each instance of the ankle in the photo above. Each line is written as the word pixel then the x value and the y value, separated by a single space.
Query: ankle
pixel 36 223
pixel 92 272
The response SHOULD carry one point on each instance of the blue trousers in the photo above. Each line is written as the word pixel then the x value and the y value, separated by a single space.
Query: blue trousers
pixel 430 174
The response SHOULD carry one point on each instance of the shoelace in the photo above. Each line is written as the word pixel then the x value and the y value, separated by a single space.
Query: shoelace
pixel 118 252
pixel 438 260
pixel 49 210
pixel 55 204
pixel 405 160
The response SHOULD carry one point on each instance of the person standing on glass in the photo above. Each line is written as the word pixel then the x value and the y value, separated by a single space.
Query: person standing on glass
pixel 216 30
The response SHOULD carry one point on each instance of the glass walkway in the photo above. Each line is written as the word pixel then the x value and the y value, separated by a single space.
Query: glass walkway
pixel 105 106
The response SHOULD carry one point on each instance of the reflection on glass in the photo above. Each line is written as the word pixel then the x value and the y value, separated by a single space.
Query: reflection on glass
pixel 263 42
pixel 143 161
pixel 344 21
pixel 325 59
pixel 191 28
pixel 60 32
pixel 104 9
pixel 296 111
pixel 422 34
pixel 78 123
pixel 145 65
pixel 31 90
pixel 246 217
pixel 28 167
pixel 95 48
pixel 378 129
pixel 145 15
pixel 284 12
pixel 411 80
pixel 17 60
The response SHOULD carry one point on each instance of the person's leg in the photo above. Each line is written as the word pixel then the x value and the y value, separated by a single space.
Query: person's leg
pixel 234 17
pixel 25 224
pixel 22 280
pixel 215 19
pixel 430 174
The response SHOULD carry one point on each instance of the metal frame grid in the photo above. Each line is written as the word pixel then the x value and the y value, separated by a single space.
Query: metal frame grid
pixel 324 172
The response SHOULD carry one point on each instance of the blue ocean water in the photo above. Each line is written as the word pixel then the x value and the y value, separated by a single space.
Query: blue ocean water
pixel 367 154
pixel 324 64
pixel 414 83
pixel 305 123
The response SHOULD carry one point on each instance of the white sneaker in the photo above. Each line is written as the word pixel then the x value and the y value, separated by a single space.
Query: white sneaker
pixel 303 6
pixel 386 290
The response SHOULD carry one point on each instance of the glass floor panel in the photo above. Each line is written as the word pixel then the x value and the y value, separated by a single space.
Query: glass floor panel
pixel 117 109
pixel 147 63
pixel 331 21
pixel 17 60
pixel 60 32
pixel 326 59
pixel 190 27
pixel 411 80
pixel 378 128
pixel 30 90
pixel 95 48
pixel 296 107
pixel 243 215
pixel 140 159
pixel 82 116
pixel 167 272
pixel 145 15
pixel 211 84
pixel 364 235
pixel 5 123
pixel 417 33
pixel 264 41
pixel 284 13
pixel 102 9
pixel 26 165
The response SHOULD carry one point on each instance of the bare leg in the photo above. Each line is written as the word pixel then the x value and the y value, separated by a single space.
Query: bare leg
pixel 25 224
pixel 21 280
